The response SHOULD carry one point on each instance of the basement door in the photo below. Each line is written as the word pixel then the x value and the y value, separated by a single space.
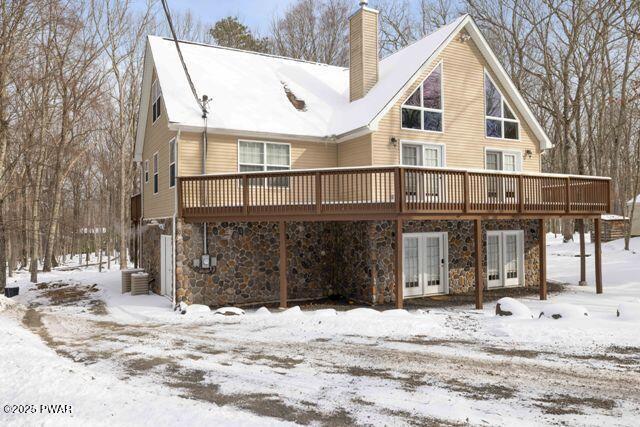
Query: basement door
pixel 505 258
pixel 166 265
pixel 425 264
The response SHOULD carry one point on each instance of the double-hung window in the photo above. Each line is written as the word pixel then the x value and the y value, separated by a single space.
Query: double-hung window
pixel 256 156
pixel 172 163
pixel 155 173
pixel 423 110
pixel 499 118
pixel 156 96
pixel 146 171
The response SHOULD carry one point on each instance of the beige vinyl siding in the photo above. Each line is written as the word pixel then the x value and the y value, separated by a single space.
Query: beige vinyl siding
pixel 635 224
pixel 363 52
pixel 156 139
pixel 464 119
pixel 222 153
pixel 355 152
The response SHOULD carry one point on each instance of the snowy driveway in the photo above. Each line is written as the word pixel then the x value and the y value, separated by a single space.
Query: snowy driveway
pixel 444 367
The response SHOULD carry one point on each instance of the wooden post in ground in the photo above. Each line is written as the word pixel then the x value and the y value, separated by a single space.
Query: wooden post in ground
pixel 283 264
pixel 542 240
pixel 478 262
pixel 597 249
pixel 583 261
pixel 398 262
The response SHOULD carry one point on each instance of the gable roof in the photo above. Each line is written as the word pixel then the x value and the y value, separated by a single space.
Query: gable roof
pixel 248 97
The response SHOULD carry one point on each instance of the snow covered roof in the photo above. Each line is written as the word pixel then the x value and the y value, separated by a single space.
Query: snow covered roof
pixel 611 217
pixel 247 89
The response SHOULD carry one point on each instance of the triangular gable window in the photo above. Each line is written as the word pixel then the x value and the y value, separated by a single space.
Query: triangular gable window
pixel 499 118
pixel 423 110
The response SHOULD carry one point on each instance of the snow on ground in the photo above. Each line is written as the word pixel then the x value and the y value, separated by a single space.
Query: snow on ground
pixel 152 365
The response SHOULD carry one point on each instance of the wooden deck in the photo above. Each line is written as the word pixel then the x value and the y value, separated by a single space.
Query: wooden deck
pixel 370 193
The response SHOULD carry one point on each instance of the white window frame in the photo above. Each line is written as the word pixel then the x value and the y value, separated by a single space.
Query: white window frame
pixel 502 151
pixel 423 109
pixel 146 171
pixel 502 239
pixel 172 151
pixel 156 95
pixel 264 163
pixel 421 270
pixel 439 146
pixel 156 172
pixel 500 119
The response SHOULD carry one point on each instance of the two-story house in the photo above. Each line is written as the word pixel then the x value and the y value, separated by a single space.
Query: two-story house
pixel 414 175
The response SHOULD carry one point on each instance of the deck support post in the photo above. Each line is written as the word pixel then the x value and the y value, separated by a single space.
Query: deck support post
pixel 398 262
pixel 583 261
pixel 597 248
pixel 283 264
pixel 478 262
pixel 542 259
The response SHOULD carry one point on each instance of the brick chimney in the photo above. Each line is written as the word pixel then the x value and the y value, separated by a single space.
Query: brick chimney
pixel 363 51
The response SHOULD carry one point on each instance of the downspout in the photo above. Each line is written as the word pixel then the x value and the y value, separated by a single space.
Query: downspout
pixel 204 166
pixel 173 226
pixel 140 263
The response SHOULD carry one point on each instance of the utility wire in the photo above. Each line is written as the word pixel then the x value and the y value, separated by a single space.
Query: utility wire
pixel 202 103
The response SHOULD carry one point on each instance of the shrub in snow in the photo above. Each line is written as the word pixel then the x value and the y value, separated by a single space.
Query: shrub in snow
pixel 292 310
pixel 185 308
pixel 511 307
pixel 362 311
pixel 6 303
pixel 263 311
pixel 230 311
pixel 629 311
pixel 564 311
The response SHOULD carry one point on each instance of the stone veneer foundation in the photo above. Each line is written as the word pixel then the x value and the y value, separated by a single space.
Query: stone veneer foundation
pixel 351 259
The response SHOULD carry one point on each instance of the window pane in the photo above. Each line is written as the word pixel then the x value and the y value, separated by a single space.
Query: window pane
pixel 250 168
pixel 411 263
pixel 282 181
pixel 414 99
pixel 432 121
pixel 431 157
pixel 277 154
pixel 172 175
pixel 492 98
pixel 411 119
pixel 409 155
pixel 511 130
pixel 509 163
pixel 251 152
pixel 155 163
pixel 492 161
pixel 494 128
pixel 172 151
pixel 155 183
pixel 431 89
pixel 507 111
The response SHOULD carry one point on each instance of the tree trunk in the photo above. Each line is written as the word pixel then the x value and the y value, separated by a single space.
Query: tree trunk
pixel 3 253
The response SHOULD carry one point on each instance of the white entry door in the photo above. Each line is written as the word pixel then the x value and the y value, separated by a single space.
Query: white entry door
pixel 505 258
pixel 425 264
pixel 166 265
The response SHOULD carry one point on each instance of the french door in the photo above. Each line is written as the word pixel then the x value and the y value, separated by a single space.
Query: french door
pixel 423 186
pixel 505 258
pixel 500 189
pixel 425 262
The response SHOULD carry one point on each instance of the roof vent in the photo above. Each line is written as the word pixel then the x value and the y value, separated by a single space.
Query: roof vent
pixel 364 3
pixel 298 103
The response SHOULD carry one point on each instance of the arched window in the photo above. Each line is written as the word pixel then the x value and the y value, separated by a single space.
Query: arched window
pixel 423 110
pixel 499 118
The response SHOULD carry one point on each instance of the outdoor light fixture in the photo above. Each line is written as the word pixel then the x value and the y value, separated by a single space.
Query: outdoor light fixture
pixel 393 141
pixel 528 154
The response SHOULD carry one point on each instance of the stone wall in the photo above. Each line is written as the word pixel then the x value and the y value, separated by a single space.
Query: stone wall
pixel 351 259
pixel 150 244
pixel 247 262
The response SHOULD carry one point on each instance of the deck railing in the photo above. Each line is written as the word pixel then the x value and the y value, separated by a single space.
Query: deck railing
pixel 373 190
